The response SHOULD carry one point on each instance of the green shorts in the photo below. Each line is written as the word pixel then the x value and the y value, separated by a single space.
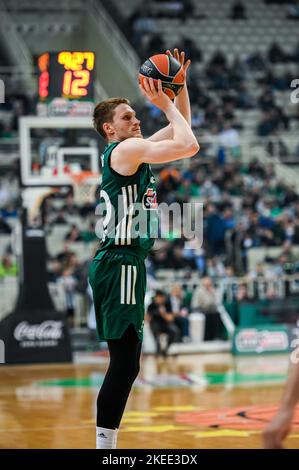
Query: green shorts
pixel 118 282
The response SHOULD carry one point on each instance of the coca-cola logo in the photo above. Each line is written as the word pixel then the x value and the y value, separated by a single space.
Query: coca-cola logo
pixel 47 330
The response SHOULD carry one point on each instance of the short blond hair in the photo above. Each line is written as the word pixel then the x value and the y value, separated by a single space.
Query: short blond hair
pixel 104 112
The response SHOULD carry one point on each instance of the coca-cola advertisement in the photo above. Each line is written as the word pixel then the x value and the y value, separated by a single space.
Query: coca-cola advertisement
pixel 34 332
pixel 33 338
pixel 47 333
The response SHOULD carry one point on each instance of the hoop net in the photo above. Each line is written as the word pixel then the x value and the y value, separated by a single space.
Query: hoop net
pixel 84 185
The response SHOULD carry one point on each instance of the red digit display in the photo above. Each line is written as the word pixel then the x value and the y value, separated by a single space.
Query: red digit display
pixel 43 84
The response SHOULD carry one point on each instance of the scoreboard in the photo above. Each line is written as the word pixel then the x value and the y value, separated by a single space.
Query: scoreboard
pixel 66 74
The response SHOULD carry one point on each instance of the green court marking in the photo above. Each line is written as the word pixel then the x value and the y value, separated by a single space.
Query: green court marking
pixel 73 382
pixel 210 378
pixel 237 378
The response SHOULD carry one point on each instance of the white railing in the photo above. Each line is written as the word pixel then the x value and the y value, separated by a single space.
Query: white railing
pixel 227 288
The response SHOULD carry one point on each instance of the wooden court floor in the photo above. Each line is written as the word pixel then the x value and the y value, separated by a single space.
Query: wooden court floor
pixel 190 402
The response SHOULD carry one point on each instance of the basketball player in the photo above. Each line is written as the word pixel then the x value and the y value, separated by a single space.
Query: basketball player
pixel 280 426
pixel 117 273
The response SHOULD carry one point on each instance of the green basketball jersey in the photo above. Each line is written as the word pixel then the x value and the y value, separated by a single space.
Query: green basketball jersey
pixel 128 205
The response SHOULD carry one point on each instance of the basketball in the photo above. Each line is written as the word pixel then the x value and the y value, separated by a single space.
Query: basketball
pixel 167 69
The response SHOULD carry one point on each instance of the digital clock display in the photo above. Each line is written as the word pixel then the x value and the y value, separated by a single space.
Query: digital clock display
pixel 66 74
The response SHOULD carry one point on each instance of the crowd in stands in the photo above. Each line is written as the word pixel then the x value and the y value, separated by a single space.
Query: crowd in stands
pixel 244 205
pixel 221 88
pixel 216 91
pixel 142 20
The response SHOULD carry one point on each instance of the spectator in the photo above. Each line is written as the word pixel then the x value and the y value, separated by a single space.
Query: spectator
pixel 162 321
pixel 69 283
pixel 229 139
pixel 8 267
pixel 142 24
pixel 242 293
pixel 89 235
pixel 276 54
pixel 74 235
pixel 4 227
pixel 55 269
pixel 180 310
pixel 60 218
pixel 192 50
pixel 215 230
pixel 293 10
pixel 177 260
pixel 256 62
pixel 154 46
pixel 187 10
pixel 206 300
pixel 268 123
pixel 238 11
pixel 215 267
pixel 4 195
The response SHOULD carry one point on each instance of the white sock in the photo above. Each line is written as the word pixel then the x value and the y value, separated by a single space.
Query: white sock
pixel 106 438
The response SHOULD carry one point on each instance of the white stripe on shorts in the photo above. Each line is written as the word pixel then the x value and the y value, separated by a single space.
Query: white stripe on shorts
pixel 134 282
pixel 127 284
pixel 122 284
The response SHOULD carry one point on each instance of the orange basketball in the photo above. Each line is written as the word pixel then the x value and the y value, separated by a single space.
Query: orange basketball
pixel 167 69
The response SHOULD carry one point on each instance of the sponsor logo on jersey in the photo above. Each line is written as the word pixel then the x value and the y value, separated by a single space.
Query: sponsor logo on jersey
pixel 149 200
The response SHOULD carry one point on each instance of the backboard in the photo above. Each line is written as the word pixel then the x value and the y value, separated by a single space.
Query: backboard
pixel 52 149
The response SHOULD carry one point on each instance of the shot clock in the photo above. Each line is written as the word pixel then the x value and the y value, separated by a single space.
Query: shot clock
pixel 66 74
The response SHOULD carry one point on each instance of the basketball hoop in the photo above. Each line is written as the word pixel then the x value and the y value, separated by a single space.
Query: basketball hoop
pixel 84 185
